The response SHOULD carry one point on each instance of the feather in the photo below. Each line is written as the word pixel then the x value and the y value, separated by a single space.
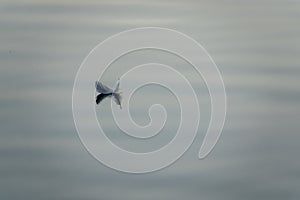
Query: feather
pixel 106 91
pixel 100 97
pixel 101 88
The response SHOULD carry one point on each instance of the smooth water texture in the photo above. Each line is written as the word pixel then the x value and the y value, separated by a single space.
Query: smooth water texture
pixel 256 47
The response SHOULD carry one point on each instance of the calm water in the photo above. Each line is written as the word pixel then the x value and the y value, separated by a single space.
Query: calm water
pixel 256 47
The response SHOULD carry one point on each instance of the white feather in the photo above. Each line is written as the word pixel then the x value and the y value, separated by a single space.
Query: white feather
pixel 101 88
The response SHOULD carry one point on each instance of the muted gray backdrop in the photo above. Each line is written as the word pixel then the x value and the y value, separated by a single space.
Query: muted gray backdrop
pixel 256 45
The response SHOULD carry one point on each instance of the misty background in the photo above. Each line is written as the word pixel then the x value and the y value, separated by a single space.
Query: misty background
pixel 255 44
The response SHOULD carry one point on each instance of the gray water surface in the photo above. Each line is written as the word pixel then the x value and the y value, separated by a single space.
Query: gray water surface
pixel 256 45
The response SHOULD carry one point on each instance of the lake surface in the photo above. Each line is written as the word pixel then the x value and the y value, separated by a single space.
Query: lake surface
pixel 256 47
